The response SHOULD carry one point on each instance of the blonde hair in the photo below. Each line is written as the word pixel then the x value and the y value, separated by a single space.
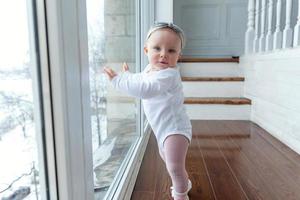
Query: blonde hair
pixel 176 29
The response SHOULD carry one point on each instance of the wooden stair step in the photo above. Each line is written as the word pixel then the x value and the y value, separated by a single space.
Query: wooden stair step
pixel 193 60
pixel 213 79
pixel 217 100
pixel 222 136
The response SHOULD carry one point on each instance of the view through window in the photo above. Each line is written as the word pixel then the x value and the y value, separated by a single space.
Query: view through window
pixel 112 41
pixel 20 143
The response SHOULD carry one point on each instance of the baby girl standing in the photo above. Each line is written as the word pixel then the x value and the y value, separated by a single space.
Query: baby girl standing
pixel 160 88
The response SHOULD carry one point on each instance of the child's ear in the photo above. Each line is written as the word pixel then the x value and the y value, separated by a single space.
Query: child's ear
pixel 145 50
pixel 179 56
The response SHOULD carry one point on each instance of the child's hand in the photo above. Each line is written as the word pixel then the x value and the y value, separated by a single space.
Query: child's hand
pixel 125 67
pixel 111 73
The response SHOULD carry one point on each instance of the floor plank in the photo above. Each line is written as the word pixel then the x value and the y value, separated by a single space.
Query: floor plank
pixel 226 160
pixel 144 195
pixel 223 181
pixel 198 174
pixel 249 177
pixel 267 160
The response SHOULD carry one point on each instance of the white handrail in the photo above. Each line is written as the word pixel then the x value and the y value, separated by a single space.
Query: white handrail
pixel 260 36
pixel 278 34
pixel 288 32
pixel 269 38
pixel 256 25
pixel 250 30
pixel 262 26
pixel 297 29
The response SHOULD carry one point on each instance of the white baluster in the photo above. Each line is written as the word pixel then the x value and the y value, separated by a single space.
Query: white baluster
pixel 250 31
pixel 255 42
pixel 278 34
pixel 262 38
pixel 297 28
pixel 288 32
pixel 269 38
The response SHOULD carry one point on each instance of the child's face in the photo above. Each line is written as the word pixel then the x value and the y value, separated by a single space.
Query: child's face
pixel 163 48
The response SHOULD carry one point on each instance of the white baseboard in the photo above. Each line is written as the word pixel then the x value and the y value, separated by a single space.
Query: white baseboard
pixel 277 133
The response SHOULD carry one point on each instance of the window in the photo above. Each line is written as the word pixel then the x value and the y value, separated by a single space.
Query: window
pixel 48 86
pixel 22 169
pixel 114 116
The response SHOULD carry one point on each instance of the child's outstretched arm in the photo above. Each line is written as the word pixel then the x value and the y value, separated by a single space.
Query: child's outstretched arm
pixel 138 86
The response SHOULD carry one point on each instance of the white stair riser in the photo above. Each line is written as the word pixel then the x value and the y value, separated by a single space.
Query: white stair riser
pixel 209 69
pixel 218 112
pixel 212 89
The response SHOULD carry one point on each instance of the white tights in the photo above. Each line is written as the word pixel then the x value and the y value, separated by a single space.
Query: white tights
pixel 174 153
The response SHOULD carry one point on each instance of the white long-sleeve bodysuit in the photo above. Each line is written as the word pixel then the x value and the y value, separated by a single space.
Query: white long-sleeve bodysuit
pixel 162 99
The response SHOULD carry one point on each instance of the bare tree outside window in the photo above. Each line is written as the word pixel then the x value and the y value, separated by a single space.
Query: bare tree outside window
pixel 17 121
pixel 19 152
pixel 98 86
pixel 18 110
pixel 111 41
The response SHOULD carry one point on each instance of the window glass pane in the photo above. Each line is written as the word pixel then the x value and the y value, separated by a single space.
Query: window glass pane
pixel 112 41
pixel 21 168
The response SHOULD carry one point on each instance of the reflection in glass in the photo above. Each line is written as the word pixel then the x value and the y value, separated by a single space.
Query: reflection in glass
pixel 112 41
pixel 20 171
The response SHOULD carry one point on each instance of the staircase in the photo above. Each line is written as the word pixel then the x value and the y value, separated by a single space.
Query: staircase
pixel 213 89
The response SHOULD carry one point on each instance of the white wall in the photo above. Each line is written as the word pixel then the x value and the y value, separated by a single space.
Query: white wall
pixel 272 82
pixel 214 28
pixel 164 10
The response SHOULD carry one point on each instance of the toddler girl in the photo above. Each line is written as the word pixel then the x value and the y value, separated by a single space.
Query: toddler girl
pixel 159 86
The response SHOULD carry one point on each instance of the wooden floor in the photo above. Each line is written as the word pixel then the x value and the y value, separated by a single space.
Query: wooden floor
pixel 226 160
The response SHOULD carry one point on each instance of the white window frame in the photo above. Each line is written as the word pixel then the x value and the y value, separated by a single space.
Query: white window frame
pixel 127 174
pixel 65 75
pixel 42 99
pixel 69 81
